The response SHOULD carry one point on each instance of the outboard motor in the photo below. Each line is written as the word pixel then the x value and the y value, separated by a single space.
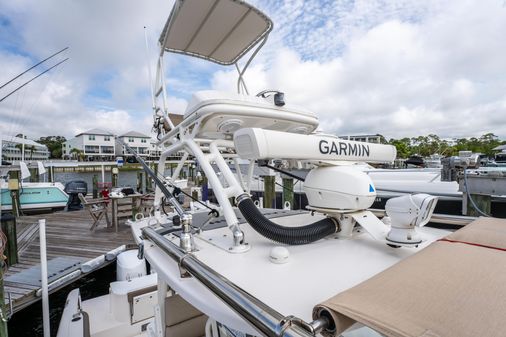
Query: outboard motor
pixel 73 188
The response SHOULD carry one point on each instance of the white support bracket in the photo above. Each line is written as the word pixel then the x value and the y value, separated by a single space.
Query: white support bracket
pixel 221 193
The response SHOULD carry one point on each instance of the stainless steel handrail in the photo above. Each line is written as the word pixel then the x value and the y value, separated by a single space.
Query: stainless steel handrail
pixel 263 318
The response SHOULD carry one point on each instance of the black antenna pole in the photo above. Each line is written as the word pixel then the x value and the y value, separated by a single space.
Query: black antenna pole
pixel 24 72
pixel 42 73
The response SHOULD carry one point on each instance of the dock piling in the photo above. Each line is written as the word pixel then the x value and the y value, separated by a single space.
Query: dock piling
pixel 288 191
pixel 139 182
pixel 14 190
pixel 3 315
pixel 50 173
pixel 95 186
pixel 269 191
pixel 148 182
pixel 9 229
pixel 114 176
pixel 205 188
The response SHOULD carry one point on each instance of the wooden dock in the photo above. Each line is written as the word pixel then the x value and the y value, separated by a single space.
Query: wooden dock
pixel 68 239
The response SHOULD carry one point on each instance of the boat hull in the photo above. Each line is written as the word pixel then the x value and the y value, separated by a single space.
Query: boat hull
pixel 36 196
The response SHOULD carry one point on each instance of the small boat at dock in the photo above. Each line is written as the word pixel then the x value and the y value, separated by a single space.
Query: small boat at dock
pixel 33 196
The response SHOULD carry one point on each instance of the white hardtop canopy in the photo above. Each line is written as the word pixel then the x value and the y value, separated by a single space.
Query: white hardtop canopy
pixel 221 31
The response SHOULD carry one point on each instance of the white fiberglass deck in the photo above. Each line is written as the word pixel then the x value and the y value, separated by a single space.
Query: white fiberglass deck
pixel 314 273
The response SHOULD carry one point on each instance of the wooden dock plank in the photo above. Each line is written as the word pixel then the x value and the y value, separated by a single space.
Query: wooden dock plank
pixel 68 234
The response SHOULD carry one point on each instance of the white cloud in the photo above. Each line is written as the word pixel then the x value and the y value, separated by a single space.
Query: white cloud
pixel 107 65
pixel 438 73
pixel 400 68
pixel 120 120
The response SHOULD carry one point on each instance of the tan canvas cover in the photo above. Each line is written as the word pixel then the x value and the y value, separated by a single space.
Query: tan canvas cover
pixel 449 289
pixel 217 30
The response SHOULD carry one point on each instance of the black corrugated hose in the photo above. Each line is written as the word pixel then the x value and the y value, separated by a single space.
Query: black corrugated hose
pixel 287 235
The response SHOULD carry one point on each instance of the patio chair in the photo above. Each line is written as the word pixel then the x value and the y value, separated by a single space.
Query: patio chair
pixel 97 209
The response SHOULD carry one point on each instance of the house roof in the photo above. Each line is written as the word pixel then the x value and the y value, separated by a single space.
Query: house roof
pixel 134 134
pixel 95 132
pixel 19 140
pixel 500 148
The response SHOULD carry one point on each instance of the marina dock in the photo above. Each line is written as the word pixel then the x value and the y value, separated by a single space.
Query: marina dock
pixel 71 245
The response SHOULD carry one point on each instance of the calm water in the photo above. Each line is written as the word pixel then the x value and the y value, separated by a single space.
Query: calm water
pixel 125 178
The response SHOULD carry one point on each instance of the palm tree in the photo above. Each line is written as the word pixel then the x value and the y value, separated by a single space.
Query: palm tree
pixel 77 153
pixel 20 148
pixel 32 150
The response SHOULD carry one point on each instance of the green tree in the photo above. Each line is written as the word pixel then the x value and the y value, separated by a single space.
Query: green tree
pixel 433 144
pixel 488 142
pixel 403 147
pixel 79 154
pixel 54 145
pixel 31 148
pixel 20 148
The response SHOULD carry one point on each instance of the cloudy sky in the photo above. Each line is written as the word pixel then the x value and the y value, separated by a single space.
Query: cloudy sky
pixel 395 67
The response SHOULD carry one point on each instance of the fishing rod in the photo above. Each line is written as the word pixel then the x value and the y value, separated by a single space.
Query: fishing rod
pixel 42 73
pixel 170 197
pixel 24 72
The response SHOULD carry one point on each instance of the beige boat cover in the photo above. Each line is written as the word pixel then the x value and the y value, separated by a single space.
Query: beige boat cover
pixel 221 31
pixel 456 287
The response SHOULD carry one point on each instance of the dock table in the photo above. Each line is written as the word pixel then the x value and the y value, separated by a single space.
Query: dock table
pixel 116 204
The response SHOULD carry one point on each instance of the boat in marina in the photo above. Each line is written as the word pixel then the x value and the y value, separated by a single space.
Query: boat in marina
pixel 33 196
pixel 389 183
pixel 334 269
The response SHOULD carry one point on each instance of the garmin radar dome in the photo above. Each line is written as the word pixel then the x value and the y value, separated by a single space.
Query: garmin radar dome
pixel 339 187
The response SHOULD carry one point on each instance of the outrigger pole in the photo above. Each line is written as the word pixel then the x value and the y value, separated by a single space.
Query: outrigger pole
pixel 27 70
pixel 34 78
pixel 170 197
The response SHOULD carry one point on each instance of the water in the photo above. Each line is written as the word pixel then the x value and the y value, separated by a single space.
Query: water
pixel 125 178
pixel 28 322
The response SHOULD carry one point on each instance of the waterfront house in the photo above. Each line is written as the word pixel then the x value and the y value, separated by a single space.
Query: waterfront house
pixel 139 142
pixel 92 145
pixel 13 147
pixel 364 138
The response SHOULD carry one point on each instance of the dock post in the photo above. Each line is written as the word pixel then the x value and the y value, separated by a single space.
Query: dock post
pixel 205 188
pixel 148 181
pixel 9 229
pixel 288 191
pixel 3 315
pixel 136 206
pixel 103 173
pixel 10 222
pixel 195 195
pixel 14 190
pixel 114 176
pixel 43 278
pixel 139 182
pixel 269 191
pixel 155 169
pixel 95 186
pixel 50 173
